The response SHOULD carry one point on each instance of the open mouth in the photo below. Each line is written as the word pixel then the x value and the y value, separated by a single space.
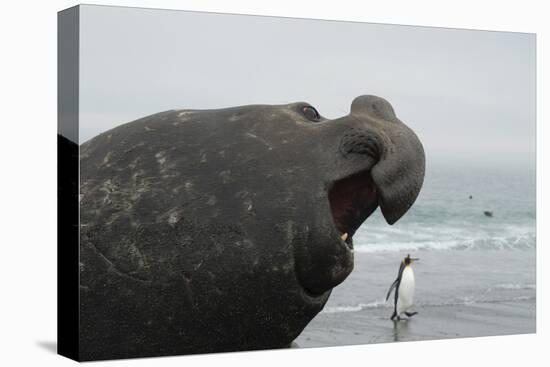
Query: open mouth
pixel 352 200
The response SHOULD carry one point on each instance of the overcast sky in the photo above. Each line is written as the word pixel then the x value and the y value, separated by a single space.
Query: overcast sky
pixel 467 94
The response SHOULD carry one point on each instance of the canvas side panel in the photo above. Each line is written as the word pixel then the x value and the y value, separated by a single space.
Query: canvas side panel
pixel 68 183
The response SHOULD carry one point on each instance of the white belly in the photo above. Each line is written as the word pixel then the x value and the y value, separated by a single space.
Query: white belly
pixel 405 293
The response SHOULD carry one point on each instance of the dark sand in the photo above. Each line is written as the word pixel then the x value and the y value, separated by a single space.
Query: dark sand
pixel 432 322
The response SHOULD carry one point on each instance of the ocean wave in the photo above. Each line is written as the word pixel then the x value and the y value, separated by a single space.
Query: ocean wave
pixel 463 301
pixel 469 300
pixel 355 308
pixel 512 286
pixel 521 242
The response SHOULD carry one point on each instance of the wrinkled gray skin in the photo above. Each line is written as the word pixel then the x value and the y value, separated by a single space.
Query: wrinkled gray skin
pixel 208 231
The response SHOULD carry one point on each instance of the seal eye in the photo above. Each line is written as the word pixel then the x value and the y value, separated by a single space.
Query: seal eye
pixel 311 113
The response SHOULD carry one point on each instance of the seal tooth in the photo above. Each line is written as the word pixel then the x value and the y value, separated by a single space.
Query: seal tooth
pixel 344 236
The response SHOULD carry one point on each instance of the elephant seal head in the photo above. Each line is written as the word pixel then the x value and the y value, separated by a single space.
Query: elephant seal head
pixel 367 159
pixel 227 229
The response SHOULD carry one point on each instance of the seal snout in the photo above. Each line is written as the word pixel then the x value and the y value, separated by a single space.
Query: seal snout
pixel 375 133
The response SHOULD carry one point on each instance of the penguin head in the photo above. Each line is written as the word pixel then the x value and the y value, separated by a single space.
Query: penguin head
pixel 409 260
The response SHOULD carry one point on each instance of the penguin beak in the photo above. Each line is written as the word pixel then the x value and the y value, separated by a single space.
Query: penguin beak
pixel 414 259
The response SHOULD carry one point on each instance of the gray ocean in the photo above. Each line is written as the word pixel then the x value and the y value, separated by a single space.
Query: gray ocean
pixel 465 256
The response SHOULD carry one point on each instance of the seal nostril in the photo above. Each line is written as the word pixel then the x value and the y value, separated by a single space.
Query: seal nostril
pixel 362 142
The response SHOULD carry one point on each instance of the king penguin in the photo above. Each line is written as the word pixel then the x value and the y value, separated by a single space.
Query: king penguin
pixel 404 289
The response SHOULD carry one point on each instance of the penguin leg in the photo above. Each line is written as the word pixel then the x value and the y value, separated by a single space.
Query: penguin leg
pixel 410 314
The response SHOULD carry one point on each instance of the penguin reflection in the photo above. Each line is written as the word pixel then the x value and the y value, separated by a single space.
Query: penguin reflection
pixel 400 329
pixel 404 289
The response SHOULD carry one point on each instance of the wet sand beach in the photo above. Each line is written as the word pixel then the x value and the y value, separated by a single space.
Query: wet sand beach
pixel 459 293
pixel 432 322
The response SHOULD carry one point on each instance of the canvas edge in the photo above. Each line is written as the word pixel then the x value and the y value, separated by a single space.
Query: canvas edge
pixel 68 22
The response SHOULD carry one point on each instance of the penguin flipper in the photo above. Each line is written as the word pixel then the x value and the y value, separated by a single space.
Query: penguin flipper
pixel 394 284
pixel 396 281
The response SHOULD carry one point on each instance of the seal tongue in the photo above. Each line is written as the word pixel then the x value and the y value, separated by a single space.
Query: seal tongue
pixel 398 178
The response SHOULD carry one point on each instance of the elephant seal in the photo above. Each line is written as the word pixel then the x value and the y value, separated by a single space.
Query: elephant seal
pixel 224 230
